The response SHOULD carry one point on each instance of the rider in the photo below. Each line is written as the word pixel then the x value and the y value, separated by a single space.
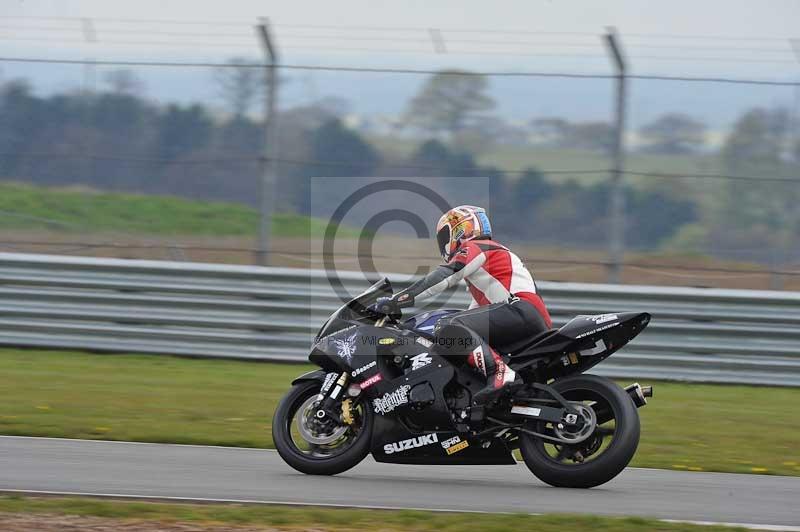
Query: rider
pixel 505 308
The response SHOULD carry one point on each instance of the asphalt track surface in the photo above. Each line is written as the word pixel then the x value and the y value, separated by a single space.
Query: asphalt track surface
pixel 253 475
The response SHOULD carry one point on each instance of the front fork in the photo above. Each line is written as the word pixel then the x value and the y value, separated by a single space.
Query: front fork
pixel 332 389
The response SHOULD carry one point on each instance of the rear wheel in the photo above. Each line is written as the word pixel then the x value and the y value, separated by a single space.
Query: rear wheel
pixel 604 443
pixel 320 447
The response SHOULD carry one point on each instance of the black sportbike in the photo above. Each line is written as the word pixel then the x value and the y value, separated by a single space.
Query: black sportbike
pixel 391 388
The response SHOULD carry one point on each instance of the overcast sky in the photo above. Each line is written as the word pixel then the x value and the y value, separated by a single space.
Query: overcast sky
pixel 753 18
pixel 699 37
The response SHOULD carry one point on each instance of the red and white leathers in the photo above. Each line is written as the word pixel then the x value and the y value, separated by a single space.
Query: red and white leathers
pixel 505 301
pixel 493 273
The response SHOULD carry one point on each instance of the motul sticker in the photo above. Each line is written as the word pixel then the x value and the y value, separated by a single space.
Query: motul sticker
pixel 372 380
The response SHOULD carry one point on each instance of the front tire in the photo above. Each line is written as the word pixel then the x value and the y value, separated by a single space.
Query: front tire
pixel 350 448
pixel 595 461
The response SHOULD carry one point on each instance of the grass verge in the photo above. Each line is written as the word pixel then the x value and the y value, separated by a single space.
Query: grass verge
pixel 86 210
pixel 315 518
pixel 217 402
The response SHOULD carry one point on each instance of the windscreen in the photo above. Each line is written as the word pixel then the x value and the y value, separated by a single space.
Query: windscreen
pixel 356 309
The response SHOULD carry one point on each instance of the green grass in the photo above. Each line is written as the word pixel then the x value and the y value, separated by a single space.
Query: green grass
pixel 314 518
pixel 140 397
pixel 166 399
pixel 82 210
pixel 510 157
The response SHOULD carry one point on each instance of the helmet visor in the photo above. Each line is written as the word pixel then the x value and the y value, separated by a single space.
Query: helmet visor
pixel 443 241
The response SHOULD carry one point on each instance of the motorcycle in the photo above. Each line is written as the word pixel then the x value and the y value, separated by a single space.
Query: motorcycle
pixel 392 388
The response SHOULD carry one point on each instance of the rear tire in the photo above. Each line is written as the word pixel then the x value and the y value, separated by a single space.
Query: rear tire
pixel 354 453
pixel 608 463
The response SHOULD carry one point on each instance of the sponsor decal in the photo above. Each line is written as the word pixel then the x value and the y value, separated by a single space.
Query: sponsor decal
pixel 329 380
pixel 503 376
pixel 602 318
pixel 526 411
pixel 500 377
pixel 411 443
pixel 457 447
pixel 459 231
pixel 403 297
pixel 391 400
pixel 386 341
pixel 446 444
pixel 420 361
pixel 595 331
pixel 425 341
pixel 362 369
pixel 480 363
pixel 346 347
pixel 370 381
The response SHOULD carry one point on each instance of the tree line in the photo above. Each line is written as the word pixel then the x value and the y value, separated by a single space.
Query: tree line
pixel 116 139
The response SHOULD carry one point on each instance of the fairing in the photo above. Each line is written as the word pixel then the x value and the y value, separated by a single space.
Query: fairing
pixel 583 342
pixel 410 388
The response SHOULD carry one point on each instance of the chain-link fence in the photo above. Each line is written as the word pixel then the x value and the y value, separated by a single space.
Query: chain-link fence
pixel 146 139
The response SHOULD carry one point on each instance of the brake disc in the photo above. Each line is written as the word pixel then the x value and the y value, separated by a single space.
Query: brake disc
pixel 311 430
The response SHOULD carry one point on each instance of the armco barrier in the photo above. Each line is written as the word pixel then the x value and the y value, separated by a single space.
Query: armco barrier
pixel 245 312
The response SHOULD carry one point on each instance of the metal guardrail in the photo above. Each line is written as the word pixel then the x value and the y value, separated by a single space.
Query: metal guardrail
pixel 246 312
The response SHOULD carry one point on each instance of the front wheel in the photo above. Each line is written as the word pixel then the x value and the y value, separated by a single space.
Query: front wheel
pixel 594 459
pixel 319 447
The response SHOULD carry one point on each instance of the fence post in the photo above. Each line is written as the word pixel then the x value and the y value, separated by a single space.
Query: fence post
pixel 267 187
pixel 616 244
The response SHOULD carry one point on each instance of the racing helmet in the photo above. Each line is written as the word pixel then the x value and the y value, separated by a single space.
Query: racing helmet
pixel 458 225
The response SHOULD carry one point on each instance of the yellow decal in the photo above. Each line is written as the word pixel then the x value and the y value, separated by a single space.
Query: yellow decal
pixel 386 341
pixel 457 447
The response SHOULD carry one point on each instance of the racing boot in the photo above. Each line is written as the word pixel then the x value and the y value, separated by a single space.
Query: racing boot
pixel 499 377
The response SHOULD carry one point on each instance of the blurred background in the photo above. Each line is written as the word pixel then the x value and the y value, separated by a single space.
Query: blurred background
pixel 142 137
pixel 652 143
